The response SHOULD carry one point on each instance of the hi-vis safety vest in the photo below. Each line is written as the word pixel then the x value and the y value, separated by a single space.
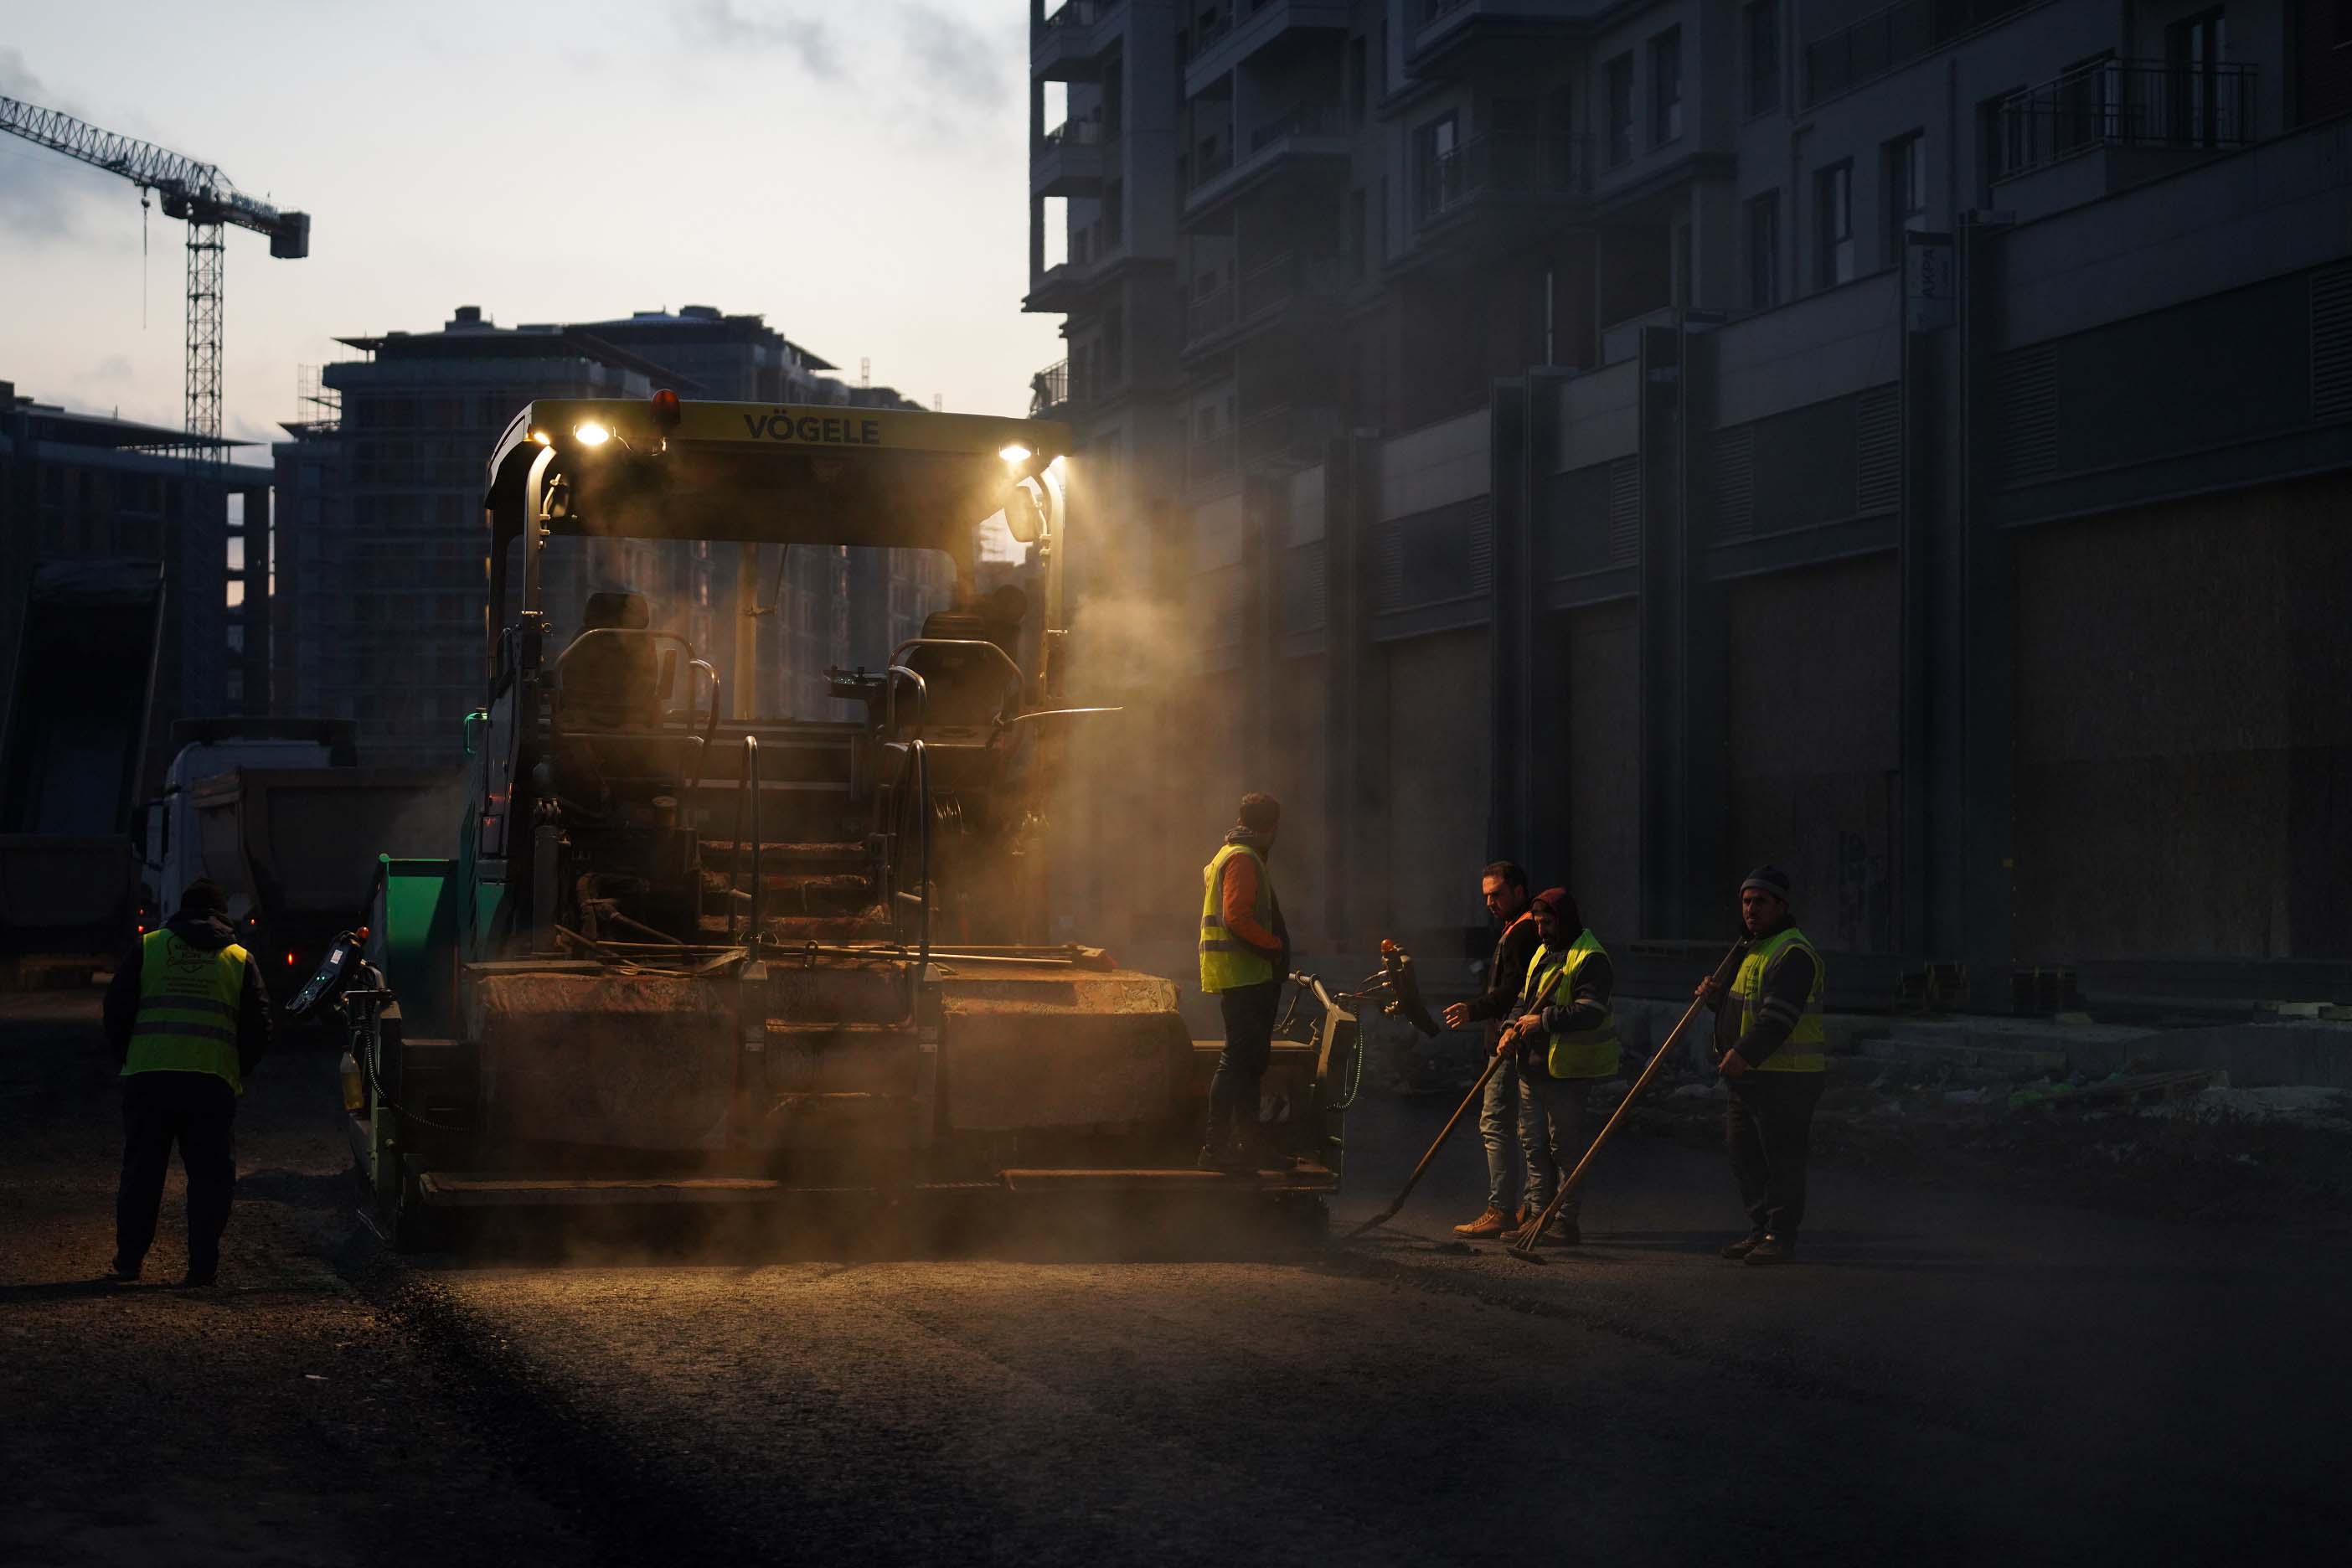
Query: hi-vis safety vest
pixel 1551 982
pixel 1228 963
pixel 1801 1051
pixel 188 1001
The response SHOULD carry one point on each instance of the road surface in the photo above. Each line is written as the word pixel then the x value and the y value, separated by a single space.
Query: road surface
pixel 1947 1376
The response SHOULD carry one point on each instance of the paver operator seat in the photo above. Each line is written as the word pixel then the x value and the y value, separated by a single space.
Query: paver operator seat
pixel 612 741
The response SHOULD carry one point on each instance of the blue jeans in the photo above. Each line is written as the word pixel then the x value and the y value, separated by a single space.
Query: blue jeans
pixel 1551 1129
pixel 1499 1128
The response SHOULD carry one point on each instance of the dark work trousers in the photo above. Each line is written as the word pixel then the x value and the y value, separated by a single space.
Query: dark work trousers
pixel 1551 1130
pixel 1249 1044
pixel 198 1111
pixel 1769 1125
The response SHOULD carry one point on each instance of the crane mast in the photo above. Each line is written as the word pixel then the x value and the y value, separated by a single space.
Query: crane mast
pixel 195 193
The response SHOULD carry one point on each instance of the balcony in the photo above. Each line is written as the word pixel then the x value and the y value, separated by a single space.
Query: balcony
pixel 1274 292
pixel 1312 134
pixel 1457 38
pixel 1207 318
pixel 1093 249
pixel 1049 391
pixel 1504 171
pixel 1208 460
pixel 1869 48
pixel 1070 160
pixel 1242 28
pixel 2171 113
pixel 1288 436
pixel 1072 44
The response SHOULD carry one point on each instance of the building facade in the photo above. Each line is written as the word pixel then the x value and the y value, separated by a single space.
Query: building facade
pixel 382 577
pixel 88 486
pixel 1899 442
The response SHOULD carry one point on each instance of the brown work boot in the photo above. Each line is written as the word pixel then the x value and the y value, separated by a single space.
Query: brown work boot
pixel 1562 1232
pixel 1493 1223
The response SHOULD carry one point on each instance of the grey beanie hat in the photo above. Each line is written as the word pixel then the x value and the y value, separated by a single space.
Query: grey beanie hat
pixel 1770 879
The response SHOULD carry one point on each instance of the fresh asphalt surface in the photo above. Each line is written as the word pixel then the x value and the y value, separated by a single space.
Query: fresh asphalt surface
pixel 1945 1376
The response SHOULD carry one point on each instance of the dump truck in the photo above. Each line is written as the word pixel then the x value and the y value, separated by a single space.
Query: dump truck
pixel 687 953
pixel 72 743
pixel 281 816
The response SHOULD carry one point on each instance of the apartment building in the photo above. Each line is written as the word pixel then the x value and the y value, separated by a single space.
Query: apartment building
pixel 78 486
pixel 1898 442
pixel 382 580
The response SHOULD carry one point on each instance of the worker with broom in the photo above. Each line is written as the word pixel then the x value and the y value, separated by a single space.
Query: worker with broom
pixel 1565 1040
pixel 1767 1037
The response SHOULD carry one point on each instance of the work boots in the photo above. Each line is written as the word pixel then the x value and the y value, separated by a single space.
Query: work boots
pixel 1487 1225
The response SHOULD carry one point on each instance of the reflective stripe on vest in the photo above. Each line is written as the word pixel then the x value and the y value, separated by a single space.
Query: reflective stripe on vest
pixel 1228 963
pixel 1573 1053
pixel 188 1004
pixel 1801 1051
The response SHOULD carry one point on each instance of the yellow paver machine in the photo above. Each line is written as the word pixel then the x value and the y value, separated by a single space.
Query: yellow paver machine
pixel 688 954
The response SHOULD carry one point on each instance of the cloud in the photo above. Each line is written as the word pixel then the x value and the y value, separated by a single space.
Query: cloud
pixel 953 58
pixel 38 189
pixel 726 25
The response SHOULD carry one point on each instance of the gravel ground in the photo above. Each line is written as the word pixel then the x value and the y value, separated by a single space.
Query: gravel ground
pixel 283 1417
pixel 1948 1375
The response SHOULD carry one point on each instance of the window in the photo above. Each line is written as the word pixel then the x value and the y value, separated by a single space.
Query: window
pixel 2003 141
pixel 1907 191
pixel 1763 30
pixel 1359 80
pixel 2197 48
pixel 1433 147
pixel 1764 250
pixel 1834 226
pixel 1667 86
pixel 1618 75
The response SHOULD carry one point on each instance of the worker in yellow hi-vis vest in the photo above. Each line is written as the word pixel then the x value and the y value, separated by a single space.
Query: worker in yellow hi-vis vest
pixel 187 1018
pixel 1244 958
pixel 1767 1033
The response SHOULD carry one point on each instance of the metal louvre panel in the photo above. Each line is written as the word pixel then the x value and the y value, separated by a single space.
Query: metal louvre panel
pixel 2026 390
pixel 1625 509
pixel 1879 484
pixel 2331 343
pixel 1734 464
pixel 1436 557
pixel 1305 587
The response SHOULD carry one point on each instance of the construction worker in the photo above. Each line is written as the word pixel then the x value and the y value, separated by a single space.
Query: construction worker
pixel 1245 957
pixel 1565 1040
pixel 188 1020
pixel 1771 1045
pixel 1504 885
pixel 611 683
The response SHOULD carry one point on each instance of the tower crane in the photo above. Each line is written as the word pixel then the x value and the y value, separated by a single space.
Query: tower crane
pixel 199 193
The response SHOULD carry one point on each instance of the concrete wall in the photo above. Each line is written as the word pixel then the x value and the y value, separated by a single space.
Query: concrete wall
pixel 1812 760
pixel 2184 729
pixel 1437 767
pixel 1597 766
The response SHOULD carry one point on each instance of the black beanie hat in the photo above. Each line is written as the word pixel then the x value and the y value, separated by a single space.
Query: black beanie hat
pixel 1770 879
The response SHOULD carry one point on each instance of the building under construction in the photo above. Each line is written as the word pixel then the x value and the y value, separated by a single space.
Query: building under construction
pixel 1904 443
pixel 379 604
pixel 77 486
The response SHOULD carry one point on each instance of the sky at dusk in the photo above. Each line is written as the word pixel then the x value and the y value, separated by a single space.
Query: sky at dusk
pixel 855 171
